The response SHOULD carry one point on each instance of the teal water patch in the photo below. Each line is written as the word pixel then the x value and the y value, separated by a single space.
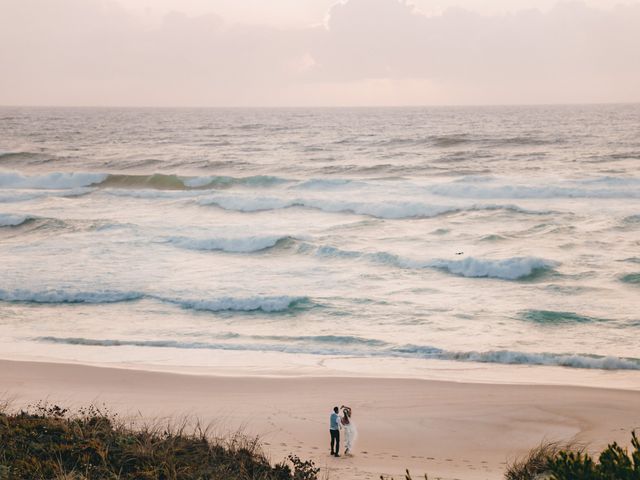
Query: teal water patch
pixel 551 317
pixel 632 278
pixel 492 238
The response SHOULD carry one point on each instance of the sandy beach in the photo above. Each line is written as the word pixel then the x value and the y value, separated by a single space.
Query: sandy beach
pixel 447 429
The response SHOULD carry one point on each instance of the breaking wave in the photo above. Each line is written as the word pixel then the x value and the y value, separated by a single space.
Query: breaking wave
pixel 232 245
pixel 175 182
pixel 246 304
pixel 10 220
pixel 65 296
pixel 220 304
pixel 609 189
pixel 158 181
pixel 337 346
pixel 385 210
pixel 508 357
pixel 515 268
pixel 50 181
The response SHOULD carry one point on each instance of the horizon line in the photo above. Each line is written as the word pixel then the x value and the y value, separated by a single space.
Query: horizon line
pixel 283 107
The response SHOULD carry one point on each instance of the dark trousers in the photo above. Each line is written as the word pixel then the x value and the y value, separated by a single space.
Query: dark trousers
pixel 335 440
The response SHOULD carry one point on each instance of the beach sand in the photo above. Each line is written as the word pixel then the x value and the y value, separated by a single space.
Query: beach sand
pixel 446 429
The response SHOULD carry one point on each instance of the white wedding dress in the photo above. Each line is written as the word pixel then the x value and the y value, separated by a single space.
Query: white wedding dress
pixel 350 435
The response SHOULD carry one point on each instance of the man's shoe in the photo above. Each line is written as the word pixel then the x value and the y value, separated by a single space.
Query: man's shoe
pixel 337 454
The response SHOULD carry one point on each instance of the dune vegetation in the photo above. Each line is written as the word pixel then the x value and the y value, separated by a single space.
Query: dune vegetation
pixel 49 442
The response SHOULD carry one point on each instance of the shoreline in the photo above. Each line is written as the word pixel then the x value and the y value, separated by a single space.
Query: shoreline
pixel 443 428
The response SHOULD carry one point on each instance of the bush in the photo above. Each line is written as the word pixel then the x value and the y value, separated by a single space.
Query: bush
pixel 553 461
pixel 535 463
pixel 614 463
pixel 46 442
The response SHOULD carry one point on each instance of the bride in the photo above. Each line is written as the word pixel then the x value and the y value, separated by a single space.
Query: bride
pixel 349 428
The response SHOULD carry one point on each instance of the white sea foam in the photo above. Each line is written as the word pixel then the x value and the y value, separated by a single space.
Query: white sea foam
pixel 246 304
pixel 67 296
pixel 507 269
pixel 383 209
pixel 550 359
pixel 219 304
pixel 487 191
pixel 504 357
pixel 234 245
pixel 514 268
pixel 50 181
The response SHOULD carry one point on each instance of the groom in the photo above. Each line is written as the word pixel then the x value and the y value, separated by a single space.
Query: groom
pixel 334 430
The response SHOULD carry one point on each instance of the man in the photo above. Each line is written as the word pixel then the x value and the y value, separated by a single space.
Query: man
pixel 334 430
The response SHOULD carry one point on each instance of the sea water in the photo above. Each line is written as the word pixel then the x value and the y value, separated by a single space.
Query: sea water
pixel 395 241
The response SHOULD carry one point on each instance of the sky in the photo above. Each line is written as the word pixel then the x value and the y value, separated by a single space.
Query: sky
pixel 318 52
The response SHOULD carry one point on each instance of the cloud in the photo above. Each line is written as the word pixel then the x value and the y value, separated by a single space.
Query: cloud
pixel 93 52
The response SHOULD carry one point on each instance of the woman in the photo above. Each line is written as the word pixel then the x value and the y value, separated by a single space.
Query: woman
pixel 349 429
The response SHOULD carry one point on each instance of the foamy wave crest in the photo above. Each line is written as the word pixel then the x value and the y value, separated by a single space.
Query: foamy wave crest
pixel 385 210
pixel 336 344
pixel 233 245
pixel 472 190
pixel 238 304
pixel 515 268
pixel 25 196
pixel 508 357
pixel 50 181
pixel 247 304
pixel 63 296
pixel 507 269
pixel 156 181
pixel 160 181
pixel 550 359
pixel 9 220
pixel 345 346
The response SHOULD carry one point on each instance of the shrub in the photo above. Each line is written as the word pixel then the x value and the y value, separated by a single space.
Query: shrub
pixel 46 442
pixel 614 463
pixel 535 463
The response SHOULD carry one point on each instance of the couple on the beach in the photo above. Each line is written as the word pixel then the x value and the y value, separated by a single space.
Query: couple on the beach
pixel 336 423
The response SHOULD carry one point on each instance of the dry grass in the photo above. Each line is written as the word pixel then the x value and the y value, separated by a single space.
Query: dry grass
pixel 535 464
pixel 48 442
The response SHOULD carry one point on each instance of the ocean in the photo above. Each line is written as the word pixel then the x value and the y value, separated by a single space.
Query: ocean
pixel 485 243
